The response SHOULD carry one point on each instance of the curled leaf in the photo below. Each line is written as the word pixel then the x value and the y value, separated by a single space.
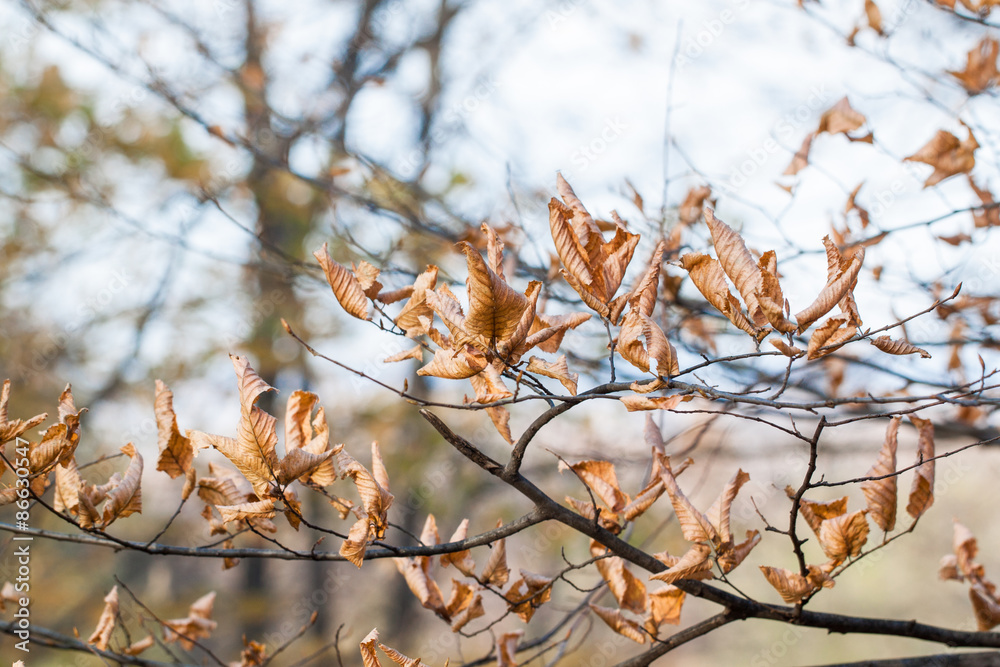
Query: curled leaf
pixel 890 346
pixel 345 285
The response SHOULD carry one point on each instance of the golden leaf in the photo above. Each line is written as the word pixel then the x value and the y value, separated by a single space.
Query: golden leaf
pixel 718 513
pixel 645 290
pixel 344 284
pixel 556 326
pixel 421 585
pixel 176 452
pixel 558 370
pixel 644 499
pixel 769 295
pixel 571 252
pixel 354 547
pixel 417 307
pixel 367 277
pixel 68 485
pixel 501 421
pixel 106 623
pixel 617 622
pixel 922 490
pixel 473 611
pixel 694 525
pixel 815 513
pixel 880 494
pixel 489 386
pixel 887 344
pixel 948 155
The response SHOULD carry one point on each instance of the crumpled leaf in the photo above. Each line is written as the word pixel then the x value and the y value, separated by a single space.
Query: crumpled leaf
pixel 738 264
pixel 837 287
pixel 890 346
pixel 260 509
pixel 628 589
pixel 345 285
pixel 528 593
pixel 462 560
pixel 980 70
pixel 126 497
pixel 376 500
pixel 664 607
pixel 638 403
pixel 106 623
pixel 769 295
pixel 792 586
pixel 881 494
pixel 455 365
pixel 9 430
pixel 416 310
pixel 422 585
pixel 495 571
pixel 506 648
pixel 708 276
pixel 617 622
pixel 176 452
pixel 197 625
pixel 694 201
pixel 833 333
pixel 601 478
pixel 948 155
pixel 558 370
pixel 843 536
pixel 922 489
pixel 495 308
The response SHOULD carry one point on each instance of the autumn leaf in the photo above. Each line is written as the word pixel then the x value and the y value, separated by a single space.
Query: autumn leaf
pixel 495 571
pixel 176 452
pixel 462 560
pixel 421 585
pixel 922 490
pixel 880 494
pixel 898 347
pixel 948 155
pixel 368 655
pixel 638 403
pixel 506 648
pixel 9 430
pixel 833 333
pixel 601 478
pixel 738 264
pixel 416 310
pixel 259 509
pixel 843 536
pixel 980 70
pixel 837 288
pixel 801 158
pixel 874 17
pixel 528 593
pixel 664 607
pixel 628 589
pixel 788 350
pixel 792 586
pixel 106 623
pixel 345 285
pixel 198 624
pixel 455 364
pixel 126 496
pixel 708 276
pixel 769 295
pixel 694 201
pixel 841 118
pixel 558 370
pixel 695 526
pixel 617 622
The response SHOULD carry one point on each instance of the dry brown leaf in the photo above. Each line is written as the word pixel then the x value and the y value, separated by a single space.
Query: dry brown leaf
pixel 639 403
pixel 606 518
pixel 985 606
pixel 815 513
pixel 617 622
pixel 829 336
pixel 980 70
pixel 718 513
pixel 67 487
pixel 890 346
pixel 881 494
pixel 506 648
pixel 9 430
pixel 664 607
pixel 462 560
pixel 126 497
pixel 495 308
pixel 645 291
pixel 558 370
pixel 948 155
pixel 874 17
pixel 922 490
pixel 421 585
pixel 792 586
pixel 707 275
pixel 801 158
pixel 415 352
pixel 769 296
pixel 417 307
pixel 841 118
pixel 367 276
pixel 137 647
pixel 176 452
pixel 106 624
pixel 694 525
pixel 528 593
pixel 344 284
pixel 399 658
pixel 601 478
pixel 837 288
pixel 368 655
pixel 738 264
pixel 842 537
pixel 354 547
pixel 473 611
pixel 455 365
pixel 690 209
pixel 786 349
pixel 628 589
pixel 260 509
pixel 694 564
pixel 495 571
pixel 489 386
pixel 984 217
